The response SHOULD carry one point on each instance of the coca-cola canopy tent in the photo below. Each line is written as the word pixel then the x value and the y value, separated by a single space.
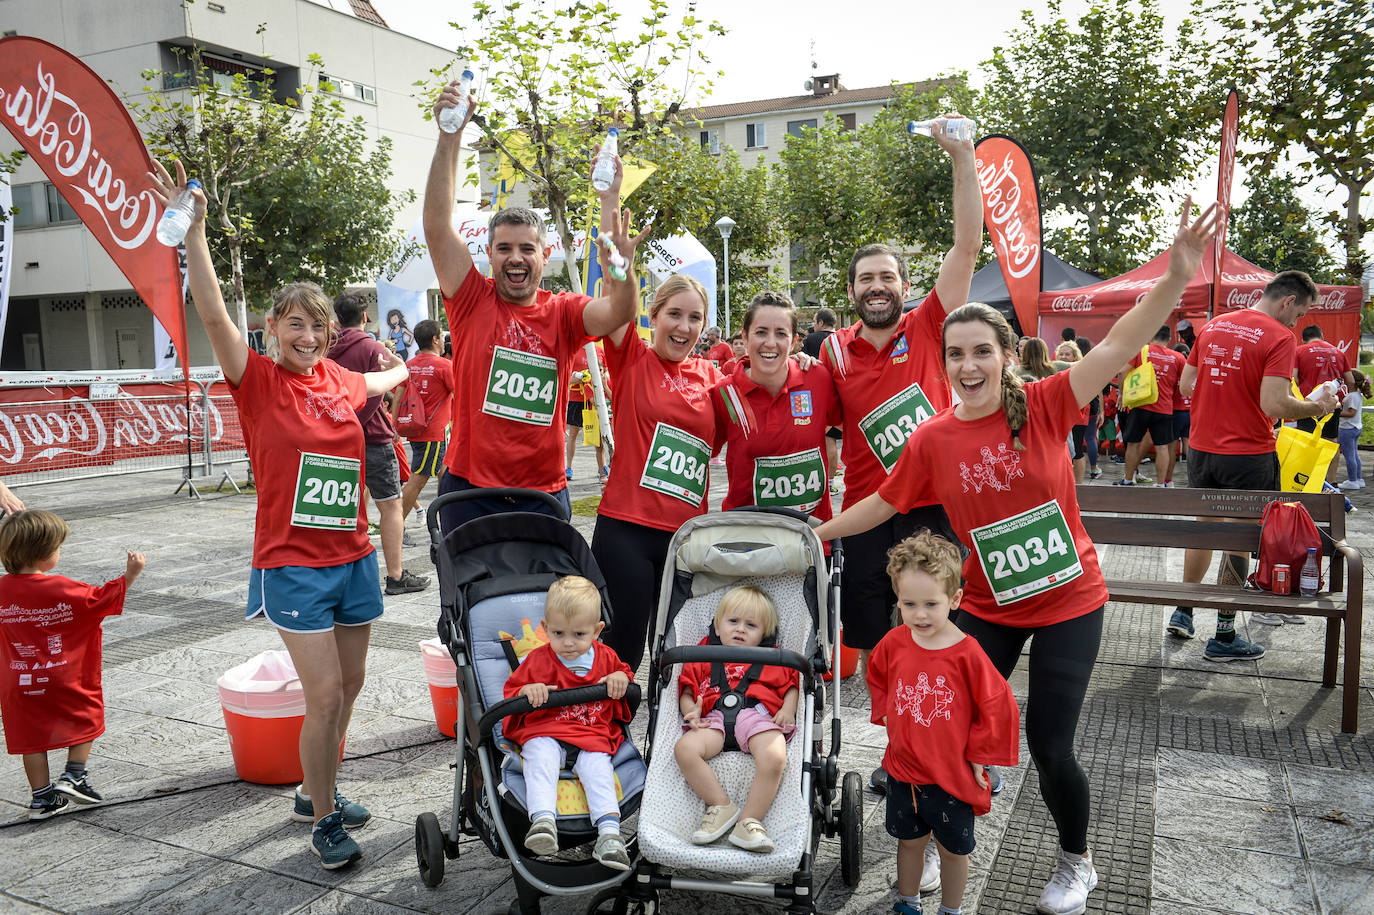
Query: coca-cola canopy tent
pixel 1091 310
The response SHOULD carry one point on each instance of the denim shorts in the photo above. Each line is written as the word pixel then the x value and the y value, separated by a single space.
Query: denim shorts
pixel 305 599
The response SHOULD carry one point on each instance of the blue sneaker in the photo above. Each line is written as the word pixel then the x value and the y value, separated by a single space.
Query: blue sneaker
pixel 1236 650
pixel 333 844
pixel 355 815
pixel 994 779
pixel 905 908
pixel 1181 624
pixel 1124 483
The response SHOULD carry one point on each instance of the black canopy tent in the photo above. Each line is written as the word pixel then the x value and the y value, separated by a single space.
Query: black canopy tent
pixel 990 288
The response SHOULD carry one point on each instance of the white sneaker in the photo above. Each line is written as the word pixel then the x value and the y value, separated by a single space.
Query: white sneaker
pixel 716 823
pixel 1067 892
pixel 1267 619
pixel 1349 485
pixel 930 872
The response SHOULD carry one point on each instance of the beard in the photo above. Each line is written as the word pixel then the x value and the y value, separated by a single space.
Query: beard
pixel 879 311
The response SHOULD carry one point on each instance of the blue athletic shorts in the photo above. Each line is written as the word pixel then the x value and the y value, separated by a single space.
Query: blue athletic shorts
pixel 427 458
pixel 304 599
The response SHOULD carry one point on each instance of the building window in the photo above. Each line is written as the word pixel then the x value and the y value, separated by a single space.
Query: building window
pixel 795 128
pixel 848 121
pixel 710 141
pixel 40 204
pixel 348 88
pixel 755 135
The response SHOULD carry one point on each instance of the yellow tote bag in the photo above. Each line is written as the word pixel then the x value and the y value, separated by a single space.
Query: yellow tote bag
pixel 1303 456
pixel 1140 388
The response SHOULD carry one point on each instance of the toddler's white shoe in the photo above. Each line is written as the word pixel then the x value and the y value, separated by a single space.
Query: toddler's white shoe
pixel 749 835
pixel 717 822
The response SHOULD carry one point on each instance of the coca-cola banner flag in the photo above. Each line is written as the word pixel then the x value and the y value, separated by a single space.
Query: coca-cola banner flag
pixel 1011 210
pixel 1229 127
pixel 79 133
pixel 6 249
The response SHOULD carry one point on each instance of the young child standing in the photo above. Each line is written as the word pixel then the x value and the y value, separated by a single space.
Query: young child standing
pixel 50 696
pixel 745 617
pixel 948 713
pixel 573 657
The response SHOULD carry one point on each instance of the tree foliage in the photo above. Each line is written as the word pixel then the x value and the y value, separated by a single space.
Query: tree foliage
pixel 1275 230
pixel 1308 69
pixel 286 180
pixel 562 71
pixel 1108 108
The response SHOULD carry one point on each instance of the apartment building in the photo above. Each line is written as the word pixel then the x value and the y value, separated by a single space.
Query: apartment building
pixel 70 307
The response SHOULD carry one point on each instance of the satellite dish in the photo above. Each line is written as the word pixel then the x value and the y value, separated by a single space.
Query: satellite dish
pixel 807 85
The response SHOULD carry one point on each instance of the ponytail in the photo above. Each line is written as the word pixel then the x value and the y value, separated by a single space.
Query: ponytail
pixel 1014 403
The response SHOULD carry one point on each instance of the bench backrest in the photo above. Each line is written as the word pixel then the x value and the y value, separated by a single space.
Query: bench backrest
pixel 1204 519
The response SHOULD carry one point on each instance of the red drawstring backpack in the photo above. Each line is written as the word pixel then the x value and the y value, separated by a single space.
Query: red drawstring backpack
pixel 410 415
pixel 1287 531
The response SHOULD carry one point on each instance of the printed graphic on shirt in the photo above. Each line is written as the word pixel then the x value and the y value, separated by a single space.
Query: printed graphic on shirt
pixel 584 713
pixel 801 404
pixel 923 702
pixel 996 470
pixel 335 406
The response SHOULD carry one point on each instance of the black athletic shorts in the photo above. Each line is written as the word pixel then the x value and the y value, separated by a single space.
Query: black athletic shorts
pixel 1329 431
pixel 916 810
pixel 1232 471
pixel 1140 420
pixel 575 413
pixel 1183 423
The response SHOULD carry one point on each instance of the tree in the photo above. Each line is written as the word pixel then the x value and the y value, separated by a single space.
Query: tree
pixel 1314 90
pixel 1275 230
pixel 562 71
pixel 285 178
pixel 1108 109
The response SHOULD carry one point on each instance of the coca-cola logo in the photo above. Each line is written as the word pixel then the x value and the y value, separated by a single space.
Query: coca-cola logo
pixel 1240 298
pixel 1334 300
pixel 64 135
pixel 1002 203
pixel 1072 303
pixel 77 427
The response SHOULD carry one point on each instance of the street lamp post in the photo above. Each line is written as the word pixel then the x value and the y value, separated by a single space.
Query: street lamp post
pixel 725 225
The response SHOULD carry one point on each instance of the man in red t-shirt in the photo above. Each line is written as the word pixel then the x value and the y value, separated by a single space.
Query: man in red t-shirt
pixel 1156 418
pixel 1319 362
pixel 512 360
pixel 432 376
pixel 1238 376
pixel 717 350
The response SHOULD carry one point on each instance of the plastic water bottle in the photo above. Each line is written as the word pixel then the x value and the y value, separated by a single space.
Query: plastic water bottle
pixel 956 128
pixel 1310 578
pixel 603 173
pixel 618 262
pixel 450 119
pixel 176 220
pixel 1316 393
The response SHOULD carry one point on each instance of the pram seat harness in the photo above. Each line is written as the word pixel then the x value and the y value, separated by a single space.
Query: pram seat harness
pixel 731 699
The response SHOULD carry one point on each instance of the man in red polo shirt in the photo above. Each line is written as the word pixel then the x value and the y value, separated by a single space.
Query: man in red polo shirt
pixel 513 343
pixel 1239 376
pixel 890 376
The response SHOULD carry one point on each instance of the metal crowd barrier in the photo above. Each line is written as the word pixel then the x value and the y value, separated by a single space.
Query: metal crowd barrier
pixel 56 427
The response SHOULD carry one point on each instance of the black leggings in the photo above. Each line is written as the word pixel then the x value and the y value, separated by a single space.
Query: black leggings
pixel 1061 663
pixel 631 558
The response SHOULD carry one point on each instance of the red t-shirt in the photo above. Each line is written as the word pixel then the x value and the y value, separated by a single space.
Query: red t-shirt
pixel 720 353
pixel 1235 352
pixel 656 399
pixel 511 365
pixel 770 688
pixel 776 453
pixel 50 695
pixel 286 416
pixel 1319 361
pixel 1168 366
pixel 433 376
pixel 593 726
pixel 1016 509
pixel 577 391
pixel 944 709
pixel 910 365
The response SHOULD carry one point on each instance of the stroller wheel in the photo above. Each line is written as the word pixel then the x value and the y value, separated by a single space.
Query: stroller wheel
pixel 851 828
pixel 429 849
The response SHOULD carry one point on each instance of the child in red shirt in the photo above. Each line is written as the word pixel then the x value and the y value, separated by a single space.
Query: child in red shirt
pixel 745 617
pixel 948 713
pixel 572 657
pixel 50 696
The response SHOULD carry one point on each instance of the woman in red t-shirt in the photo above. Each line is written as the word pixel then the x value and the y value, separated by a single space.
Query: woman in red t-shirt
pixel 665 434
pixel 314 571
pixel 775 415
pixel 997 462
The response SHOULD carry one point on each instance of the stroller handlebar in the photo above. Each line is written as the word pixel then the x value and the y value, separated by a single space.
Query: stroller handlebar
pixel 519 705
pixel 771 657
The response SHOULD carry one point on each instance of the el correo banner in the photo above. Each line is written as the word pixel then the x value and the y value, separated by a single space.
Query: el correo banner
pixel 76 129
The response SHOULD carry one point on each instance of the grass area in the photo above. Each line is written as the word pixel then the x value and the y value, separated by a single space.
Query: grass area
pixel 586 507
pixel 1367 435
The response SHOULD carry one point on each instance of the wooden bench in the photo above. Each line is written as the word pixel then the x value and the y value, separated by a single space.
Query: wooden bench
pixel 1218 519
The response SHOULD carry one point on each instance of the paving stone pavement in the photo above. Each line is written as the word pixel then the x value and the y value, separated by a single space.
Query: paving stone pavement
pixel 1216 788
